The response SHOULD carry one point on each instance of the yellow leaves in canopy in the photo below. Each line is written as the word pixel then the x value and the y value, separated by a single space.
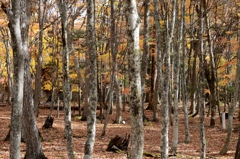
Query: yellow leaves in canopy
pixel 73 76
pixel 47 85
pixel 224 66
pixel 226 79
pixel 104 58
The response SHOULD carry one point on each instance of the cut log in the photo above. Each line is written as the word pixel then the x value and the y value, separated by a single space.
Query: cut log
pixel 118 143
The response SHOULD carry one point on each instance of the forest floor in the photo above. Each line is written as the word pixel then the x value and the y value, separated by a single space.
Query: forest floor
pixel 54 145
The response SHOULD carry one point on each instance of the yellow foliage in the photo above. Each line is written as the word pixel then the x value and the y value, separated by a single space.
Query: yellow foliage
pixel 47 85
pixel 73 76
pixel 207 58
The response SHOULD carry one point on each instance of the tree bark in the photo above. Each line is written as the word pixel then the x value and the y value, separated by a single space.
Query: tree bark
pixel 201 95
pixel 29 129
pixel 18 77
pixel 38 80
pixel 92 84
pixel 165 81
pixel 114 51
pixel 176 70
pixel 158 52
pixel 134 54
pixel 183 77
pixel 145 56
pixel 63 8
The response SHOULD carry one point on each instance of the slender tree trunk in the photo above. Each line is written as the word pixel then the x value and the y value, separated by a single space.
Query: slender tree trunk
pixel 38 81
pixel 176 69
pixel 201 95
pixel 114 48
pixel 233 105
pixel 158 52
pixel 91 63
pixel 183 77
pixel 63 8
pixel 166 79
pixel 118 118
pixel 137 131
pixel 145 55
pixel 6 40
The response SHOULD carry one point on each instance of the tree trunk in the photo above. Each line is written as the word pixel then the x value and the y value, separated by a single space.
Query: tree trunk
pixel 145 55
pixel 201 95
pixel 7 41
pixel 118 118
pixel 137 131
pixel 38 81
pixel 158 52
pixel 18 77
pixel 165 81
pixel 233 105
pixel 114 51
pixel 176 70
pixel 92 83
pixel 30 129
pixel 183 75
pixel 63 8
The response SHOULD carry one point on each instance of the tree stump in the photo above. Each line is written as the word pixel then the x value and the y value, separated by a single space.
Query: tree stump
pixel 118 143
pixel 48 123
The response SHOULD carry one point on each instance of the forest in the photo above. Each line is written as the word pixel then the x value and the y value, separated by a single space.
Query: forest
pixel 119 79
